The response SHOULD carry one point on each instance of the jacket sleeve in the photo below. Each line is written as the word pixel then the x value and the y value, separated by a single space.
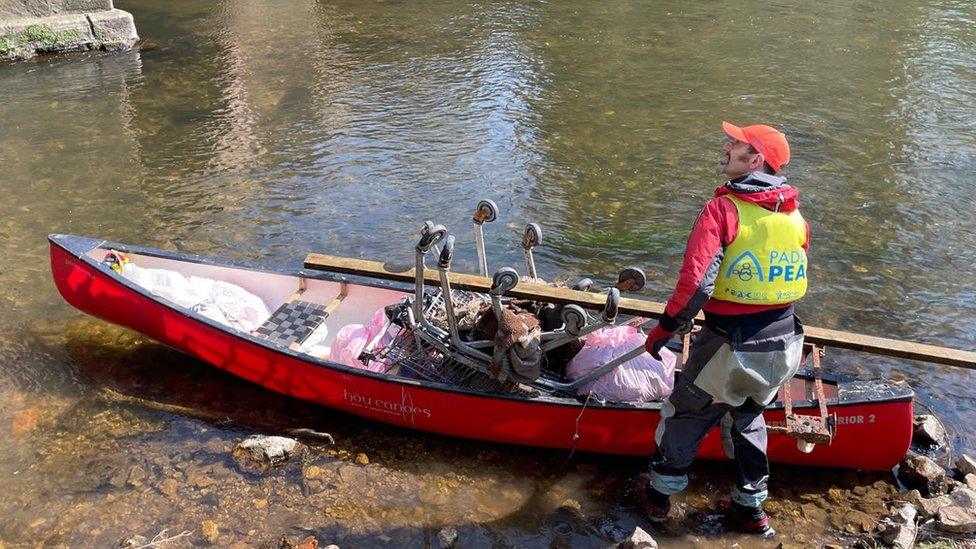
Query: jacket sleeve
pixel 714 229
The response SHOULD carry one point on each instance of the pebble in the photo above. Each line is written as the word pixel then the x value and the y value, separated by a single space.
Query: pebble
pixel 210 530
pixel 260 503
pixel 169 487
pixel 362 459
pixel 447 537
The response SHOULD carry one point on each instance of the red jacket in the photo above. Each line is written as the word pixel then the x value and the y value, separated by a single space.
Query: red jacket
pixel 716 227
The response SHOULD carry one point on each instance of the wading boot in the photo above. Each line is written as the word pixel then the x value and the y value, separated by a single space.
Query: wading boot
pixel 748 520
pixel 655 505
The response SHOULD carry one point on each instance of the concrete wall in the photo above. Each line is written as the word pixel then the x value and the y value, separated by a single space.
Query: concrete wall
pixel 29 27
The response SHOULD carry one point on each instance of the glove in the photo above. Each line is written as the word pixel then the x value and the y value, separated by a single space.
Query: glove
pixel 657 338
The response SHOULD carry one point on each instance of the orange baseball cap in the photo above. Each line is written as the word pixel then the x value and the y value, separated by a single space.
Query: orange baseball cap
pixel 769 141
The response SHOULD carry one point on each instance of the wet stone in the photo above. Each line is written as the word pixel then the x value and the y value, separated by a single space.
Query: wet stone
pixel 922 473
pixel 210 531
pixel 957 520
pixel 260 453
pixel 447 538
pixel 928 430
pixel 136 476
pixel 929 507
pixel 639 539
pixel 169 487
pixel 966 466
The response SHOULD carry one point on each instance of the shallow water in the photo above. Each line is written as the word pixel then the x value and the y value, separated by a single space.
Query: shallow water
pixel 260 131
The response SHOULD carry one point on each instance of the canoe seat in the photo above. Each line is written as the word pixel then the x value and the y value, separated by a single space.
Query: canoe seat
pixel 292 323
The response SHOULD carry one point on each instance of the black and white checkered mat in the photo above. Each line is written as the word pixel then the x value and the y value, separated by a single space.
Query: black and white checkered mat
pixel 293 322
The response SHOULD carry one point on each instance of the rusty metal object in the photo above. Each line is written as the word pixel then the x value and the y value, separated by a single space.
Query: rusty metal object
pixel 807 428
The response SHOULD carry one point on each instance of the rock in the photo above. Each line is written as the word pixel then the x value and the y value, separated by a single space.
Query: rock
pixel 25 420
pixel 169 487
pixel 260 503
pixel 127 543
pixel 966 465
pixel 447 537
pixel 929 507
pixel 362 459
pixel 210 531
pixel 260 453
pixel 957 520
pixel 638 540
pixel 899 528
pixel 971 481
pixel 924 474
pixel 928 430
pixel 964 497
pixel 308 543
pixel 313 472
pixel 136 476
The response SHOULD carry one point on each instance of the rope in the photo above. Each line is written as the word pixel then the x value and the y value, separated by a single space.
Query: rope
pixel 576 434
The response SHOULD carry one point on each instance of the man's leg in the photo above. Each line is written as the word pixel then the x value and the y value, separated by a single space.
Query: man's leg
pixel 749 442
pixel 686 417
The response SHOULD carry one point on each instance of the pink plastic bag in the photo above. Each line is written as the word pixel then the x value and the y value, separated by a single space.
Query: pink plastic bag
pixel 641 379
pixel 352 339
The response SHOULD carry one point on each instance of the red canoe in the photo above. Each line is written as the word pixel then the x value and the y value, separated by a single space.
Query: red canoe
pixel 873 418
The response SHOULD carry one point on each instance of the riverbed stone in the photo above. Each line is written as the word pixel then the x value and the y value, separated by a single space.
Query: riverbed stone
pixel 210 531
pixel 929 507
pixel 259 453
pixel 957 520
pixel 899 529
pixel 966 465
pixel 922 473
pixel 639 539
pixel 928 430
pixel 447 537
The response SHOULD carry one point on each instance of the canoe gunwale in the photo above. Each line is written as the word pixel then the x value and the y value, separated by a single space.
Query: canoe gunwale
pixel 79 247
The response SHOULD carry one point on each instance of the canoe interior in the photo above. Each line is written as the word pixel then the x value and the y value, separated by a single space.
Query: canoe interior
pixel 357 307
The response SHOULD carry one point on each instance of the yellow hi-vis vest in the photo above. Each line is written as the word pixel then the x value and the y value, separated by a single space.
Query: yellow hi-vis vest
pixel 765 264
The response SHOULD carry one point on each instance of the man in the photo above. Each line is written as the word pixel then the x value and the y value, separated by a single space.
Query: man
pixel 745 265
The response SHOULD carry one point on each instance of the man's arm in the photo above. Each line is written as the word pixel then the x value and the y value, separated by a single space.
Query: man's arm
pixel 715 228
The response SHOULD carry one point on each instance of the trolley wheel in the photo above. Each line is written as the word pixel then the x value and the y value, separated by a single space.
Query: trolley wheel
pixel 532 236
pixel 504 280
pixel 486 213
pixel 574 319
pixel 431 234
pixel 583 284
pixel 447 253
pixel 631 279
pixel 612 306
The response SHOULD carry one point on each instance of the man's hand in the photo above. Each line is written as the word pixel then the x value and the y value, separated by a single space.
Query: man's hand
pixel 657 338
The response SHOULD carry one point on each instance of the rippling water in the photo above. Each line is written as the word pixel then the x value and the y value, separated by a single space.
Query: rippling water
pixel 262 130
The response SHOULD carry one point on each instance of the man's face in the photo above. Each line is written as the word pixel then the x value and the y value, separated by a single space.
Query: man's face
pixel 739 159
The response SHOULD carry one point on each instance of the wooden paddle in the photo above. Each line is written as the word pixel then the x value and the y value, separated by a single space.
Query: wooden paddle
pixel 638 307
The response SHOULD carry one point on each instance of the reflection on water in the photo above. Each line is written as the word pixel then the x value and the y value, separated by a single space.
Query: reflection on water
pixel 259 131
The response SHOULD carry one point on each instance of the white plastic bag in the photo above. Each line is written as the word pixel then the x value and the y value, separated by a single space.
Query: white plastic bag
pixel 223 302
pixel 642 379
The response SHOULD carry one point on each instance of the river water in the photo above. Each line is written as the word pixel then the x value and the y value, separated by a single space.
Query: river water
pixel 260 131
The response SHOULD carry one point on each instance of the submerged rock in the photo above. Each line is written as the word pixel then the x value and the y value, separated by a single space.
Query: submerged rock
pixel 920 472
pixel 210 530
pixel 447 537
pixel 259 453
pixel 638 540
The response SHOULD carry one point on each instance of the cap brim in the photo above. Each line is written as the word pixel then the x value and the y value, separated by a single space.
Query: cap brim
pixel 735 132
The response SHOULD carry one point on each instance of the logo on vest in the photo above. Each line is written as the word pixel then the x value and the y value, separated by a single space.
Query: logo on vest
pixel 745 268
pixel 787 266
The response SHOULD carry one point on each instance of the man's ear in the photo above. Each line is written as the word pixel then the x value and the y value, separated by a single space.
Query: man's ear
pixel 757 162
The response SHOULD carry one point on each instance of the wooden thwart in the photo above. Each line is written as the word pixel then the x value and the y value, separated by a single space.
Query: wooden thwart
pixel 639 307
